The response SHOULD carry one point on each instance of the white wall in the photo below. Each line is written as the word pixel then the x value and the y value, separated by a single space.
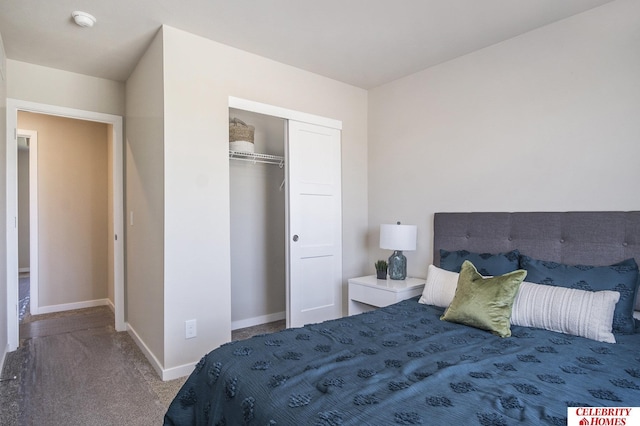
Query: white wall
pixel 547 121
pixel 35 83
pixel 257 202
pixel 145 201
pixel 200 75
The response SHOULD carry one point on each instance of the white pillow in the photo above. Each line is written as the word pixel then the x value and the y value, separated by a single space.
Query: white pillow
pixel 440 287
pixel 566 310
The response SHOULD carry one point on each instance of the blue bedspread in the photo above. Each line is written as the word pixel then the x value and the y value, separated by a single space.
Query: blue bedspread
pixel 401 365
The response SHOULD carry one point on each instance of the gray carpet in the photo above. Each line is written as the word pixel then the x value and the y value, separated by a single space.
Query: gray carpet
pixel 73 368
pixel 24 297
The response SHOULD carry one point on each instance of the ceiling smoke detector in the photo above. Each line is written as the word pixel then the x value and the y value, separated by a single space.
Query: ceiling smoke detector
pixel 83 19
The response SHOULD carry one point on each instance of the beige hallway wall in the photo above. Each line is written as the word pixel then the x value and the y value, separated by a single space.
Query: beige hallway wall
pixel 23 209
pixel 73 211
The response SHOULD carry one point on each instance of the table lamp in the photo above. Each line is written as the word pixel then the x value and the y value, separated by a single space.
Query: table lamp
pixel 398 238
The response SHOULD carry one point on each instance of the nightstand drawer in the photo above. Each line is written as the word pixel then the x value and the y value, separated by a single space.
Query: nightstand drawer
pixel 365 293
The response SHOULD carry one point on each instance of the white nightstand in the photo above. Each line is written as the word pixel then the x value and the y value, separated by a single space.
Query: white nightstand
pixel 367 293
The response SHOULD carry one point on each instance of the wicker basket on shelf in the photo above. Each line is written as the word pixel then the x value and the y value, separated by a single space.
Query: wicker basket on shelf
pixel 240 136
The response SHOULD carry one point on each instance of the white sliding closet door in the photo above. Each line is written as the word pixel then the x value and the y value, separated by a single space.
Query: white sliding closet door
pixel 314 217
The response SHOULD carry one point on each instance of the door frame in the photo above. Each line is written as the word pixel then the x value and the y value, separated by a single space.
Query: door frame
pixel 288 114
pixel 13 106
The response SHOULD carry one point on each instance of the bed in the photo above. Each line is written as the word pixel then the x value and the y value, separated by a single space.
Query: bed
pixel 403 365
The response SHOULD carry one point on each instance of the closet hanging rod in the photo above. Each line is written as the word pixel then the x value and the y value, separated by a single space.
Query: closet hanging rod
pixel 256 158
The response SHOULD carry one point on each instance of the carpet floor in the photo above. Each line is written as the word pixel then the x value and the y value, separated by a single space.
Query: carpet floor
pixel 73 368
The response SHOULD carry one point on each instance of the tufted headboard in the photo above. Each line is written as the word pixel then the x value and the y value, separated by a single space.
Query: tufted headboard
pixel 588 238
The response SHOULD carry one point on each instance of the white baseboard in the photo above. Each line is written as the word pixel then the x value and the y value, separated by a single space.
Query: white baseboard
pixel 145 350
pixel 69 306
pixel 21 270
pixel 165 374
pixel 111 306
pixel 263 319
pixel 186 369
pixel 179 371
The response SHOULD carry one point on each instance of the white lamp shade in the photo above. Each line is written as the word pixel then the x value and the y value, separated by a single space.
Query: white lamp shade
pixel 398 237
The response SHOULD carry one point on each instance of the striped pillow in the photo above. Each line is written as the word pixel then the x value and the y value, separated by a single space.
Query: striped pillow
pixel 566 310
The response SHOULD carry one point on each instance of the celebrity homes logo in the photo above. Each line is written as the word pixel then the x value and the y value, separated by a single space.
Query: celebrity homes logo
pixel 603 416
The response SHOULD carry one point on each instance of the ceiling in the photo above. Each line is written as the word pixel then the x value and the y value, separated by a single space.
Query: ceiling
pixel 364 43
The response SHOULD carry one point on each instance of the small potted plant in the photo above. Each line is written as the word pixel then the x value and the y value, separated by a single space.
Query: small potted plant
pixel 381 269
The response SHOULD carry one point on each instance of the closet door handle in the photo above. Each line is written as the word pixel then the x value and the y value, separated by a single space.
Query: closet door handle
pixel 295 238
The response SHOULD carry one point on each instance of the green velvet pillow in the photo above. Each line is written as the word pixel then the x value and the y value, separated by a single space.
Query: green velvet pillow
pixel 484 302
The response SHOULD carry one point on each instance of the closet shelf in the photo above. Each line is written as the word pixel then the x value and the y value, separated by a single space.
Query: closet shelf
pixel 256 157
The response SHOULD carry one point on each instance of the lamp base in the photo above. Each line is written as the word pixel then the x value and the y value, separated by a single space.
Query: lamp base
pixel 397 266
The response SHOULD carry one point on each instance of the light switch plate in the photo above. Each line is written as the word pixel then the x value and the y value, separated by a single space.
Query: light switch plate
pixel 190 330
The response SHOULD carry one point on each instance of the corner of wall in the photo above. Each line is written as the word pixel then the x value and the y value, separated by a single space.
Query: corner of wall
pixel 144 205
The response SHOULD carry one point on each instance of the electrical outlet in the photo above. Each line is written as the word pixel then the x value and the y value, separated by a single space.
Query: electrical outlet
pixel 190 329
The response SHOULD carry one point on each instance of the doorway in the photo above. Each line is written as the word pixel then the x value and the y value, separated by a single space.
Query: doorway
pixel 71 268
pixel 116 205
pixel 257 207
pixel 27 222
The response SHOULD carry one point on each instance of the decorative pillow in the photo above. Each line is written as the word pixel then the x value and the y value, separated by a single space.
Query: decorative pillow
pixel 487 264
pixel 621 277
pixel 566 310
pixel 484 302
pixel 440 287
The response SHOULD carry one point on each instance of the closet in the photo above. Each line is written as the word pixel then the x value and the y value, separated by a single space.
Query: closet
pixel 257 203
pixel 286 218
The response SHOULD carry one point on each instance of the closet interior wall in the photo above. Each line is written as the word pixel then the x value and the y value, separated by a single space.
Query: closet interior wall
pixel 258 280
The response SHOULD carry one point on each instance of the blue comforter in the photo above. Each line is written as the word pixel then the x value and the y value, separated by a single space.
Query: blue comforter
pixel 402 365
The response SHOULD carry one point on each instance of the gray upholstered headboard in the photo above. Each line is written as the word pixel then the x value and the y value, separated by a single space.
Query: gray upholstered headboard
pixel 587 238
